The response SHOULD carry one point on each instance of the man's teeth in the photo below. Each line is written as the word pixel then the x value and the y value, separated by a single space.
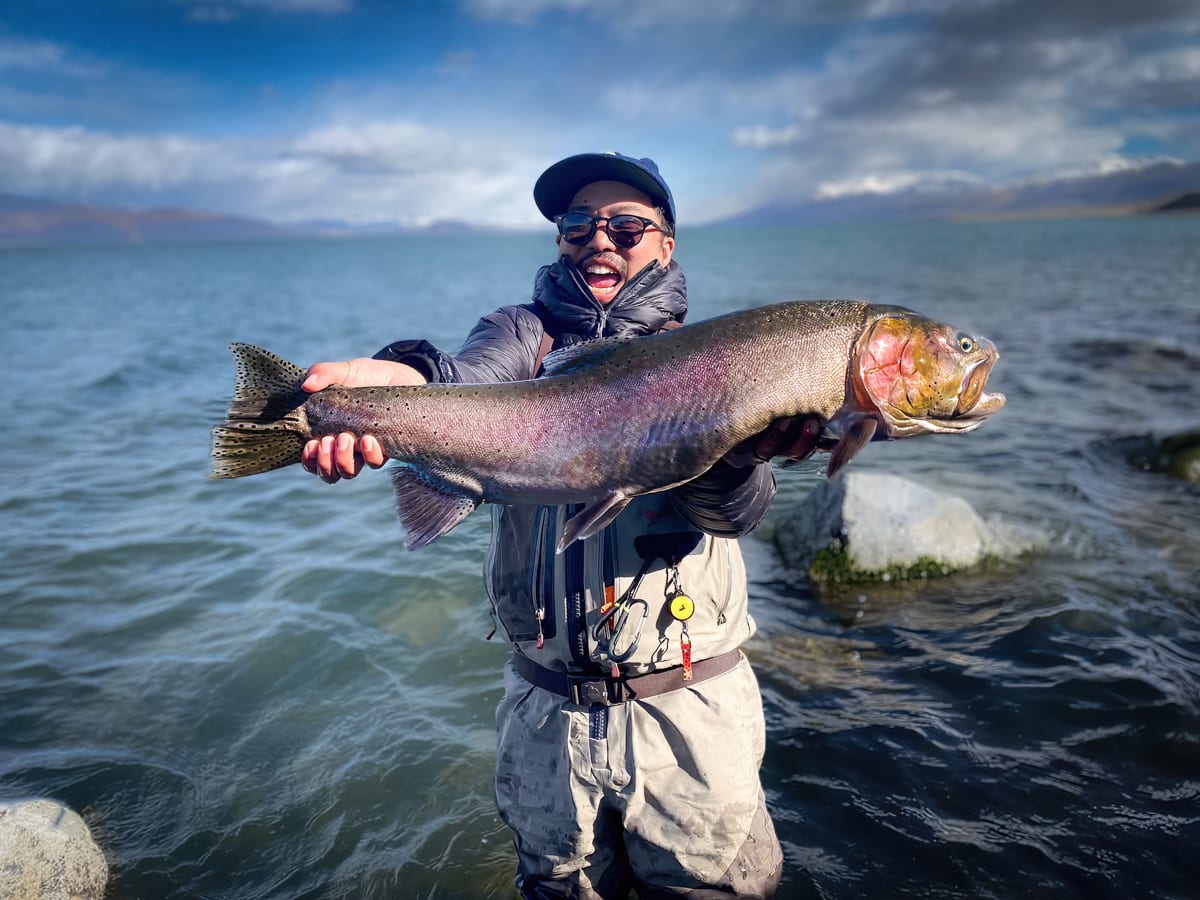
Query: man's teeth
pixel 601 270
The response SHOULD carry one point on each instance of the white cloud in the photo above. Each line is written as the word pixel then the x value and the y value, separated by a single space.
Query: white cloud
pixel 41 58
pixel 21 54
pixel 522 10
pixel 74 161
pixel 712 96
pixel 668 13
pixel 457 63
pixel 381 172
pixel 393 146
pixel 763 137
pixel 1109 165
pixel 1181 63
pixel 1000 140
pixel 660 12
pixel 396 171
pixel 301 6
pixel 215 14
pixel 895 111
pixel 891 182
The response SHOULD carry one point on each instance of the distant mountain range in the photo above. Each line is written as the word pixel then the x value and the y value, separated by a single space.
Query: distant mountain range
pixel 1159 187
pixel 1162 187
pixel 29 220
pixel 1187 202
pixel 33 221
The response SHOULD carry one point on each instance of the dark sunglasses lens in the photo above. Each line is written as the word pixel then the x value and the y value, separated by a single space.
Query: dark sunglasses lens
pixel 576 228
pixel 625 231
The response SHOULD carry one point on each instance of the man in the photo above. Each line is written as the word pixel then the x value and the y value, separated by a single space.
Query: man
pixel 631 729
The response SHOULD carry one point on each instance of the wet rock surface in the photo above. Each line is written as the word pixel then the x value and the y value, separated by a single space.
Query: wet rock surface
pixel 47 853
pixel 869 526
pixel 1177 455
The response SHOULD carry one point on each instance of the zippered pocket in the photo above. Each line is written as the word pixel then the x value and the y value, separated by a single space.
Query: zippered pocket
pixel 519 563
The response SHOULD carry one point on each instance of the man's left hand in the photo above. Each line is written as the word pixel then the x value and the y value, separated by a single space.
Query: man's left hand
pixel 794 438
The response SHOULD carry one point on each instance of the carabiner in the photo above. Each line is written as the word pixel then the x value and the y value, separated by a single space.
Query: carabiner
pixel 619 617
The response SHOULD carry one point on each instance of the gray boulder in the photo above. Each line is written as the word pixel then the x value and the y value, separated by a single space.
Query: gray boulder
pixel 47 853
pixel 871 526
pixel 1176 455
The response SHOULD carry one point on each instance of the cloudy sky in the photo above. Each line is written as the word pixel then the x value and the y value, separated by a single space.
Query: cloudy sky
pixel 371 112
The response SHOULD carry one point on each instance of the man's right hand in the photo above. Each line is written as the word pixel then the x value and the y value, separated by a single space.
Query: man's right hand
pixel 343 456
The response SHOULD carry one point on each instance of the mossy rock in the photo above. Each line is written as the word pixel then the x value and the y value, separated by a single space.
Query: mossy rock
pixel 834 565
pixel 1182 452
pixel 866 527
pixel 1177 455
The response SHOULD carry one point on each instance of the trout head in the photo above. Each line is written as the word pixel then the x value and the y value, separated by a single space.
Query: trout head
pixel 923 376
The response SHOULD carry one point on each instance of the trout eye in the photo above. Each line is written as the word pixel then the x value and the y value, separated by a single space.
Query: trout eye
pixel 965 343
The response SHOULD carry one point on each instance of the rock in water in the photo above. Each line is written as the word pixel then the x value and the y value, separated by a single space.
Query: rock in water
pixel 1183 456
pixel 870 526
pixel 47 853
pixel 1176 455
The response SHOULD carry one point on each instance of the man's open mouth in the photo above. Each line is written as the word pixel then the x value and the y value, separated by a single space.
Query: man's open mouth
pixel 601 277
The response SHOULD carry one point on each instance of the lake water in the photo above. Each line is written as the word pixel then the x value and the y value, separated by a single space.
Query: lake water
pixel 251 690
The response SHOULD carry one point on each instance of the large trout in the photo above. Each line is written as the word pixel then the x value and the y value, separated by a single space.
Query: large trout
pixel 616 418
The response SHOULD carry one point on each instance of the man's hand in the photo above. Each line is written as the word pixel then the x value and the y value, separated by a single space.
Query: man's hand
pixel 334 458
pixel 795 438
pixel 361 372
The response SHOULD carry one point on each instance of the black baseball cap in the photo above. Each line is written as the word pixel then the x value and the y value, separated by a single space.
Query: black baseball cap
pixel 557 186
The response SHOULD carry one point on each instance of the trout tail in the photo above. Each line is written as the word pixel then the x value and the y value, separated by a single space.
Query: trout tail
pixel 265 427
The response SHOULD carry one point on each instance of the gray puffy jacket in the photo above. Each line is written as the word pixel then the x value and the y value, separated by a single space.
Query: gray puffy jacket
pixel 544 603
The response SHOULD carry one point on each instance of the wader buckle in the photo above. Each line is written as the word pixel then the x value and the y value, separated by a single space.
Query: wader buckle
pixel 588 690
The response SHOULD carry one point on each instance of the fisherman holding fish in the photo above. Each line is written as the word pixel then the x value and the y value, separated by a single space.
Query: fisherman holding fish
pixel 631 730
pixel 622 456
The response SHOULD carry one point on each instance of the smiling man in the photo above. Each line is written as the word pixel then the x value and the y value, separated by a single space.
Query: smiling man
pixel 631 730
pixel 602 220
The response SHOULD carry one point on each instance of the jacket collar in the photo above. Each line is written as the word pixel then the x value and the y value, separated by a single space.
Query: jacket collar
pixel 650 299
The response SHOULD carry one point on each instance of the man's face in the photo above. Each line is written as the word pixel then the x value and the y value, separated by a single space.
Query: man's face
pixel 605 266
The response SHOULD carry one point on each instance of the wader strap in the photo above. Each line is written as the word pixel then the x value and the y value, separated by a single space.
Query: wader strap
pixel 587 690
pixel 546 347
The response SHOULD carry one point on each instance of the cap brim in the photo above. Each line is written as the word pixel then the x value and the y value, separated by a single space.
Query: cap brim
pixel 559 184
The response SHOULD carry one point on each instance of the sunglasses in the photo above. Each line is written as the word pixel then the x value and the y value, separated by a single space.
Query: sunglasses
pixel 624 230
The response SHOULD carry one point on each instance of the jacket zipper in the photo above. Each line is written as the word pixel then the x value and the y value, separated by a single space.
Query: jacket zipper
pixel 602 309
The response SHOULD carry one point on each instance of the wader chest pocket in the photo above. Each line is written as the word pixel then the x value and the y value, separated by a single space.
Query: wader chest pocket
pixel 521 572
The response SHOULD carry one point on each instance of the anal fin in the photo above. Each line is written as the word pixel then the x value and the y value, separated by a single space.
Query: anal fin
pixel 857 436
pixel 427 510
pixel 591 519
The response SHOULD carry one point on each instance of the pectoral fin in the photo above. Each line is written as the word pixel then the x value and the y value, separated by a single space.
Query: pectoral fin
pixel 427 510
pixel 591 519
pixel 856 437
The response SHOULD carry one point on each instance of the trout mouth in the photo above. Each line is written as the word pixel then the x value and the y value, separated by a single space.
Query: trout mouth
pixel 972 389
pixel 973 401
